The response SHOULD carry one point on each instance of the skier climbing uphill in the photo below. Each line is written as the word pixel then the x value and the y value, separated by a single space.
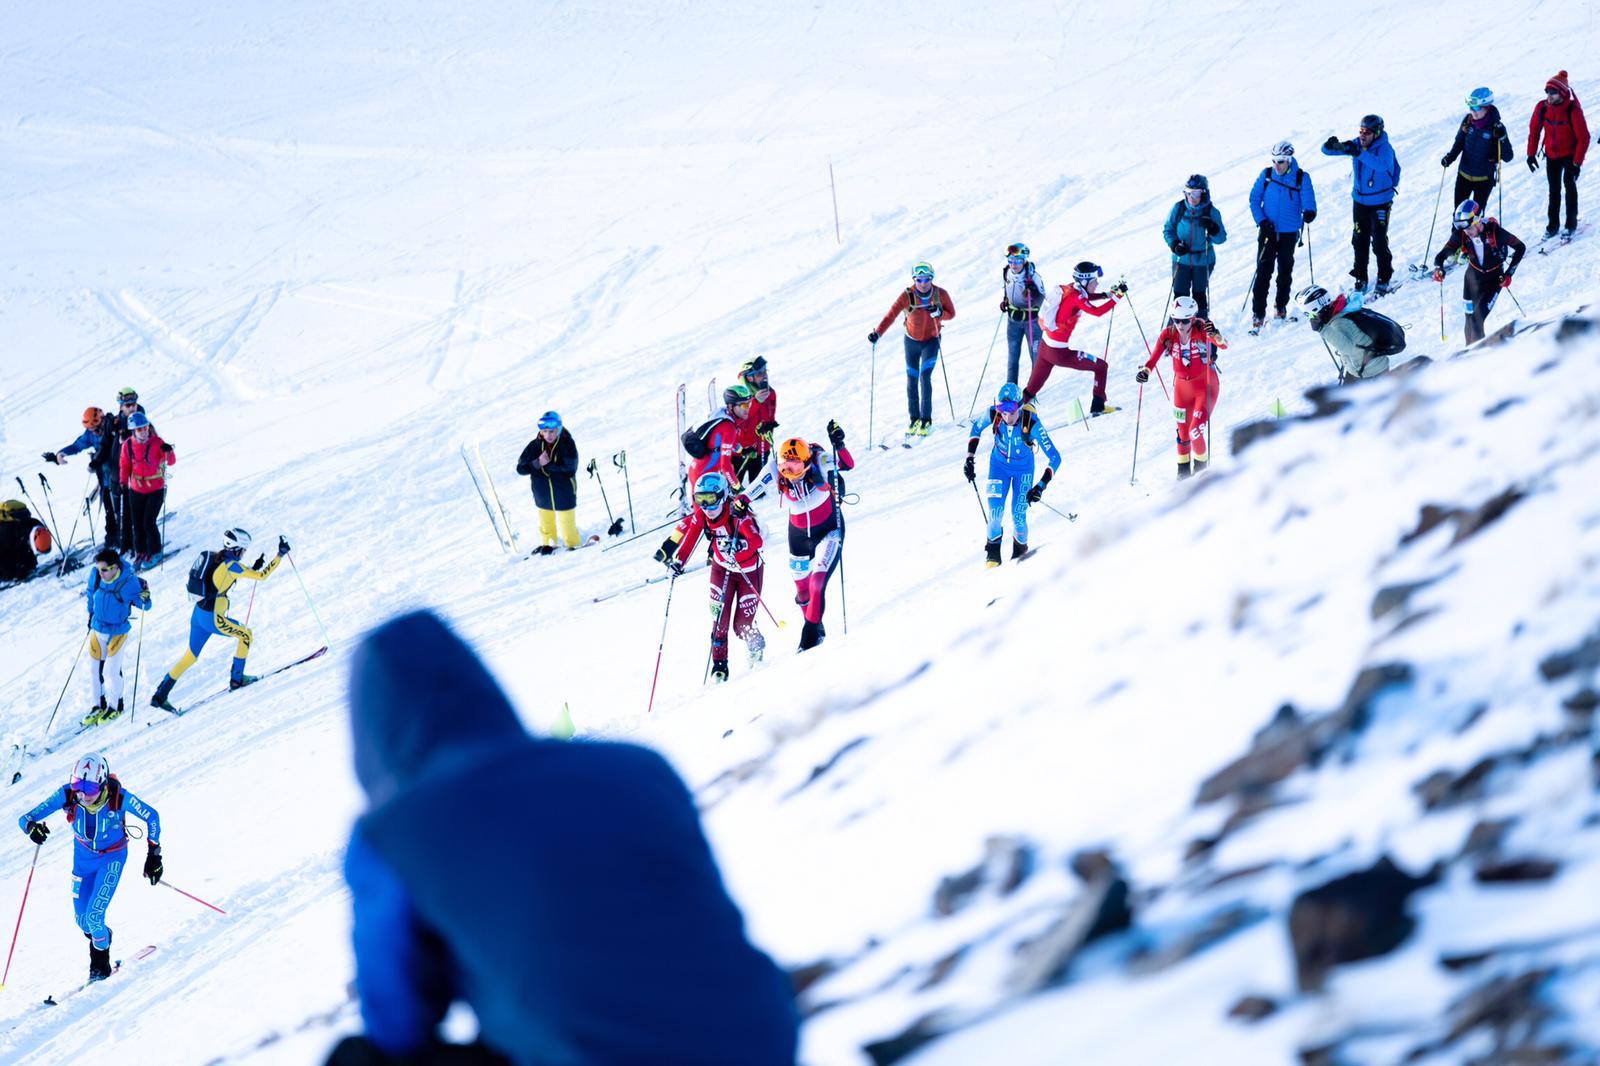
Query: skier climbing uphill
pixel 1064 305
pixel 809 488
pixel 927 307
pixel 1017 431
pixel 210 578
pixel 736 565
pixel 1192 342
pixel 96 804
pixel 711 445
pixel 113 591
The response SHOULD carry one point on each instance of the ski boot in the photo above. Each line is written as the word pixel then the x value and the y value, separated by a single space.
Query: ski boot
pixel 1018 549
pixel 811 634
pixel 927 428
pixel 99 963
pixel 1280 313
pixel 111 714
pixel 1255 325
pixel 164 690
pixel 719 671
pixel 1384 287
pixel 991 552
pixel 96 715
pixel 1098 407
pixel 757 646
pixel 1549 232
pixel 545 549
pixel 1200 464
pixel 1184 470
pixel 237 683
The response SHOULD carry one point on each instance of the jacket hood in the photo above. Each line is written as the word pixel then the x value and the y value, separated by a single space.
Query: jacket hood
pixel 422 704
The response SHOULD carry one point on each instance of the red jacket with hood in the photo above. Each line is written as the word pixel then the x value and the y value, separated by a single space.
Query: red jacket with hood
pixel 1566 134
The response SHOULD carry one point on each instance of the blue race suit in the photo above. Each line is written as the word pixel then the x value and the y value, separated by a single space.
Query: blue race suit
pixel 101 850
pixel 1011 467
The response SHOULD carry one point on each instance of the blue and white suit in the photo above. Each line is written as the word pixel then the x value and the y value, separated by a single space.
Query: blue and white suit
pixel 1011 467
pixel 100 853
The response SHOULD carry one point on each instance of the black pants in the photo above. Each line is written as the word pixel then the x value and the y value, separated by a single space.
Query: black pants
pixel 1478 292
pixel 1474 189
pixel 1192 281
pixel 359 1051
pixel 1561 173
pixel 111 502
pixel 1275 249
pixel 144 521
pixel 1371 234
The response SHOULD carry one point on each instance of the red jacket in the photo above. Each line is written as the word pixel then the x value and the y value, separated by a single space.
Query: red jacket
pixel 760 411
pixel 720 439
pixel 1062 309
pixel 144 465
pixel 920 325
pixel 1566 134
pixel 735 536
pixel 1188 356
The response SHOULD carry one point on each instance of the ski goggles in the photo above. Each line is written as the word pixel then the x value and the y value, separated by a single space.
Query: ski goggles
pixel 1008 407
pixel 709 500
pixel 1016 260
pixel 86 789
pixel 1014 251
pixel 546 423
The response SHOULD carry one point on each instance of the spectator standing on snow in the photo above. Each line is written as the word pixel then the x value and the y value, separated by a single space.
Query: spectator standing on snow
pixel 143 473
pixel 1558 119
pixel 550 463
pixel 1192 230
pixel 1374 183
pixel 1482 144
pixel 1281 201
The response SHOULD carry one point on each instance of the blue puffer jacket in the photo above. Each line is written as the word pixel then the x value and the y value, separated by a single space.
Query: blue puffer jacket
pixel 563 889
pixel 111 605
pixel 1481 146
pixel 1375 172
pixel 1283 199
pixel 1183 224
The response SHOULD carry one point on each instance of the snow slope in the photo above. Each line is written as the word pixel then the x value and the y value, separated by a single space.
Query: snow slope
pixel 329 243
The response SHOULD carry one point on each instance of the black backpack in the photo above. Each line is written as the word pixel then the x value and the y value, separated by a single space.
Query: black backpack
pixel 200 578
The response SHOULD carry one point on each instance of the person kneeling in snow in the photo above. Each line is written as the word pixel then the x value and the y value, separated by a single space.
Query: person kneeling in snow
pixel 563 890
pixel 1361 339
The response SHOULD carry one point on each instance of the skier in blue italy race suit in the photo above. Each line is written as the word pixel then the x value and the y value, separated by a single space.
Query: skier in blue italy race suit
pixel 96 803
pixel 1017 430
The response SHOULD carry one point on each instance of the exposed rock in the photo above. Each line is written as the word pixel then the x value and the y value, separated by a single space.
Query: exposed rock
pixel 822 768
pixel 942 969
pixel 1217 927
pixel 1572 327
pixel 922 1031
pixel 1324 399
pixel 1443 789
pixel 1486 836
pixel 1250 432
pixel 1500 1005
pixel 1516 870
pixel 1586 656
pixel 1102 908
pixel 1007 862
pixel 1358 916
pixel 1253 1008
pixel 1394 597
pixel 1468 520
pixel 803 977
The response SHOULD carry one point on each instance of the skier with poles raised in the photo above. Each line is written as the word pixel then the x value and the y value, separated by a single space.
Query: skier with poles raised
pixel 1022 297
pixel 1482 144
pixel 1063 306
pixel 1281 201
pixel 736 564
pixel 1017 431
pixel 550 463
pixel 212 576
pixel 97 804
pixel 1485 245
pixel 927 307
pixel 809 488
pixel 1192 342
pixel 112 592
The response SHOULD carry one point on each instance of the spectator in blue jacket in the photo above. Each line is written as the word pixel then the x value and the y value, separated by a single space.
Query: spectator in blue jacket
pixel 1281 200
pixel 1375 181
pixel 563 889
pixel 103 461
pixel 113 592
pixel 1193 228
pixel 1483 144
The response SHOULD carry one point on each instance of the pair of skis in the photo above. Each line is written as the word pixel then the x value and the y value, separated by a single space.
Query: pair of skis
pixel 507 536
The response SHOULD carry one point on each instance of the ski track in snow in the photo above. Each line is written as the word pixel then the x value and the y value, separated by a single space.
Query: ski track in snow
pixel 327 248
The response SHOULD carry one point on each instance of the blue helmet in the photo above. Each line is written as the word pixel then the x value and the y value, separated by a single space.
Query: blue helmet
pixel 137 420
pixel 1467 213
pixel 1009 398
pixel 1479 97
pixel 549 420
pixel 711 491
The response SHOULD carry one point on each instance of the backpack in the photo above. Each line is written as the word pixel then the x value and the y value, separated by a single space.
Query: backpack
pixel 200 585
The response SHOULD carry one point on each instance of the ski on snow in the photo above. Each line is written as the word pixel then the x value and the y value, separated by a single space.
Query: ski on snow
pixel 1550 244
pixel 181 711
pixel 54 1001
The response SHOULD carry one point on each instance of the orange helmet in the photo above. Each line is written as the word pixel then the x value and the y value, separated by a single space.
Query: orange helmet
pixel 794 455
pixel 92 417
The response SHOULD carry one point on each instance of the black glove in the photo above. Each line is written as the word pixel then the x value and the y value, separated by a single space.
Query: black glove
pixel 283 545
pixel 1445 161
pixel 835 434
pixel 144 592
pixel 1576 170
pixel 1533 162
pixel 152 864
pixel 1331 143
pixel 1268 229
pixel 1209 224
pixel 1211 331
pixel 261 560
pixel 37 831
pixel 1142 376
pixel 1309 216
pixel 1179 248
pixel 1005 309
pixel 1035 492
pixel 766 429
pixel 166 450
pixel 51 457
pixel 934 312
pixel 872 338
pixel 741 506
pixel 1120 288
pixel 664 554
pixel 970 468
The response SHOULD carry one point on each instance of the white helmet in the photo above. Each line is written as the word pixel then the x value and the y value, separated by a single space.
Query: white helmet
pixel 236 539
pixel 1282 152
pixel 1312 299
pixel 1183 307
pixel 90 774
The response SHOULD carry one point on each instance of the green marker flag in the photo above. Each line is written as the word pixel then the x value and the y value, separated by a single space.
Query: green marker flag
pixel 1077 415
pixel 1278 409
pixel 563 727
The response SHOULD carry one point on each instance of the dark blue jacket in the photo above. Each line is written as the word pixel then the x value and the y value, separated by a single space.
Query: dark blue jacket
pixel 1281 200
pixel 1481 148
pixel 1375 172
pixel 563 889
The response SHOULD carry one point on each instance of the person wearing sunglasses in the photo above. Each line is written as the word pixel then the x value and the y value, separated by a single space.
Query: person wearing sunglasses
pixel 114 432
pixel 97 805
pixel 1482 144
pixel 1486 246
pixel 1374 183
pixel 711 445
pixel 736 565
pixel 1192 230
pixel 812 492
pixel 1063 306
pixel 1022 295
pixel 1361 340
pixel 113 592
pixel 1017 431
pixel 550 463
pixel 1192 343
pixel 1281 201
pixel 927 308
pixel 143 466
pixel 1558 120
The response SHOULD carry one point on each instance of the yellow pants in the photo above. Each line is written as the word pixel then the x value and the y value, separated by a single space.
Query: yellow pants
pixel 569 527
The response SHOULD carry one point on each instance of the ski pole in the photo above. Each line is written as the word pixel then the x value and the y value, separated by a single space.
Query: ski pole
pixel 192 896
pixel 138 655
pixel 979 497
pixel 780 623
pixel 1163 382
pixel 1135 312
pixel 620 461
pixel 326 640
pixel 872 394
pixel 18 928
pixel 1133 475
pixel 1442 336
pixel 37 509
pixel 838 509
pixel 1070 516
pixel 162 565
pixel 55 527
pixel 73 536
pixel 665 615
pixel 938 347
pixel 70 671
pixel 1257 275
pixel 1434 222
pixel 612 525
pixel 985 371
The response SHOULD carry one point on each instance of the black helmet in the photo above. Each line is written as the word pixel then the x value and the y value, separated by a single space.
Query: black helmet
pixel 736 394
pixel 1374 123
pixel 1086 272
pixel 1197 181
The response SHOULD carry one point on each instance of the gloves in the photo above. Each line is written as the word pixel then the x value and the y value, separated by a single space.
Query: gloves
pixel 1576 170
pixel 765 430
pixel 872 338
pixel 741 506
pixel 664 553
pixel 152 864
pixel 934 312
pixel 1533 163
pixel 1005 306
pixel 1211 331
pixel 52 457
pixel 37 831
pixel 144 592
pixel 1209 224
pixel 1142 376
pixel 261 560
pixel 1505 282
pixel 1309 216
pixel 970 468
pixel 283 545
pixel 676 567
pixel 1120 288
pixel 1330 144
pixel 1179 248
pixel 835 434
pixel 1268 229
pixel 1438 273
pixel 166 450
pixel 1035 492
pixel 1445 161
